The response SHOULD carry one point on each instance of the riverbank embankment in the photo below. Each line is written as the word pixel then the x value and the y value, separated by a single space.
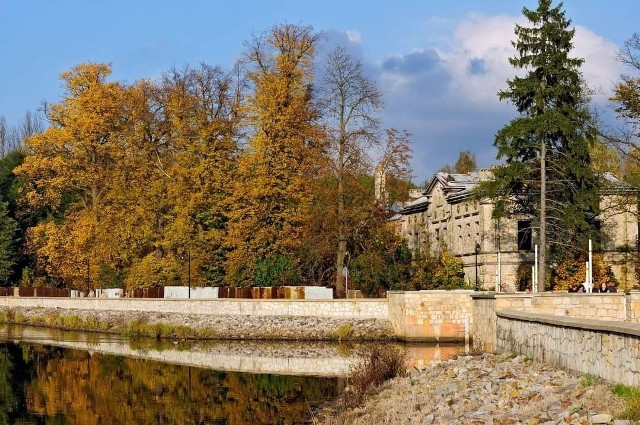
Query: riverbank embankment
pixel 487 389
pixel 202 326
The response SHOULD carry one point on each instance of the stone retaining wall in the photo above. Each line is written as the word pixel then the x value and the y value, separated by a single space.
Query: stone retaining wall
pixel 360 309
pixel 603 348
pixel 431 315
pixel 581 305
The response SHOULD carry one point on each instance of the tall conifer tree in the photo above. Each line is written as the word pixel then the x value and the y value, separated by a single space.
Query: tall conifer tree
pixel 547 169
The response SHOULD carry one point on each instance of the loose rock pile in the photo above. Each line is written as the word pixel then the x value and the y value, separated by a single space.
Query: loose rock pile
pixel 489 389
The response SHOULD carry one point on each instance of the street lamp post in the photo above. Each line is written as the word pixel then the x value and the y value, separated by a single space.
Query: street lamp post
pixel 189 270
pixel 477 250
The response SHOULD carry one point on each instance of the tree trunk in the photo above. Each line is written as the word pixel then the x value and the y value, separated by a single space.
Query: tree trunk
pixel 543 216
pixel 342 242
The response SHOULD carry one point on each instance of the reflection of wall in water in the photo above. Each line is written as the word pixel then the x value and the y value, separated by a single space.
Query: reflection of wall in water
pixel 420 356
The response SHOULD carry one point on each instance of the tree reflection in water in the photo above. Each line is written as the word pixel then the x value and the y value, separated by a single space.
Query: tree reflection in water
pixel 40 384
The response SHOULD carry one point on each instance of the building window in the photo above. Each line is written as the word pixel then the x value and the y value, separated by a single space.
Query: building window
pixel 524 235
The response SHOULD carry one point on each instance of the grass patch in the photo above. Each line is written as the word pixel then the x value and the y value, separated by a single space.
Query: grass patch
pixel 588 380
pixel 344 331
pixel 631 396
pixel 139 328
pixel 93 323
pixel 70 322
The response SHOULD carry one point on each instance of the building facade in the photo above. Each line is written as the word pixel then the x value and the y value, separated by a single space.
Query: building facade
pixel 447 216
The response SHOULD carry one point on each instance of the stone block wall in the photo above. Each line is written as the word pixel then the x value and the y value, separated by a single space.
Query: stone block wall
pixel 581 305
pixel 431 315
pixel 356 309
pixel 613 307
pixel 603 348
pixel 485 306
pixel 484 323
pixel 633 307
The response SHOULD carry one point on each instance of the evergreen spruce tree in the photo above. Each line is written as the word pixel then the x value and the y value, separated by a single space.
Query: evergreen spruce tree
pixel 547 170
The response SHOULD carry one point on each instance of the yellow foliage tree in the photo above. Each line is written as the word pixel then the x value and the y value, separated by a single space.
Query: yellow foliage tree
pixel 270 204
pixel 133 178
pixel 69 171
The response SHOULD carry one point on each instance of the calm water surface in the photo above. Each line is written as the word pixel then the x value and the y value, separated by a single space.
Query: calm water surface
pixel 54 377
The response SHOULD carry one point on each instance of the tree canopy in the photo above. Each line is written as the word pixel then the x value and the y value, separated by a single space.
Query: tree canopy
pixel 547 169
pixel 202 175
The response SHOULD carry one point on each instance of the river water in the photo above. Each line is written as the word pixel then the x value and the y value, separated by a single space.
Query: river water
pixel 56 377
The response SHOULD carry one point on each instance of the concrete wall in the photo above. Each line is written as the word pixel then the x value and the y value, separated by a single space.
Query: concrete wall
pixel 195 292
pixel 603 348
pixel 317 293
pixel 109 293
pixel 431 315
pixel 357 309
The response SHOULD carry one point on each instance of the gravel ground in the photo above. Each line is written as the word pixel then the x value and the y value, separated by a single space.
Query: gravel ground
pixel 487 389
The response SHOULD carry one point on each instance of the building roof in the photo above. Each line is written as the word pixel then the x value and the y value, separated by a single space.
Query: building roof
pixel 455 186
pixel 459 186
pixel 613 185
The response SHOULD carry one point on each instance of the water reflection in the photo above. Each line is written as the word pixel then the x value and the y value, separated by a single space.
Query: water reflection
pixel 297 358
pixel 43 384
pixel 49 376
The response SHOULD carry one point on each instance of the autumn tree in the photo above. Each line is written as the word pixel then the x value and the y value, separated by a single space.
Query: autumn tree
pixel 69 171
pixel 546 149
pixel 465 163
pixel 4 137
pixel 626 102
pixel 12 138
pixel 605 158
pixel 271 199
pixel 203 114
pixel 30 125
pixel 627 91
pixel 350 102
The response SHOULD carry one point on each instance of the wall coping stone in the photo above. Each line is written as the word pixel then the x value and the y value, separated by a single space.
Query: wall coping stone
pixel 244 300
pixel 580 294
pixel 495 295
pixel 624 328
pixel 435 291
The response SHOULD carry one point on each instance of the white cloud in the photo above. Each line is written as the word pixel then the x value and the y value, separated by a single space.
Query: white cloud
pixel 354 36
pixel 600 69
pixel 447 97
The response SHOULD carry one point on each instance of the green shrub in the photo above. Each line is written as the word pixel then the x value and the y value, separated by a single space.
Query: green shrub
pixel 276 270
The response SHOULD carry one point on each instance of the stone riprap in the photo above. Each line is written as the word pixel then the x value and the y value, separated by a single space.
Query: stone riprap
pixel 488 389
pixel 600 348
pixel 232 327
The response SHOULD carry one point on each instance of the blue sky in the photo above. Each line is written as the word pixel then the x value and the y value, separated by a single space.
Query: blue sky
pixel 438 62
